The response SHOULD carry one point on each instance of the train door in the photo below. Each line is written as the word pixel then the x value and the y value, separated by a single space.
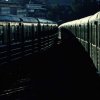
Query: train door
pixel 1 34
pixel 78 34
pixel 86 33
pixel 30 32
pixel 79 31
pixel 82 34
pixel 25 32
pixel 94 44
pixel 42 39
pixel 90 40
pixel 15 42
pixel 75 30
pixel 3 44
pixel 28 43
pixel 99 47
pixel 13 34
pixel 36 45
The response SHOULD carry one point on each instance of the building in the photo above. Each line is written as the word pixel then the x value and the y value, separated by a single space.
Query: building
pixel 31 9
pixel 9 7
pixel 21 12
pixel 36 10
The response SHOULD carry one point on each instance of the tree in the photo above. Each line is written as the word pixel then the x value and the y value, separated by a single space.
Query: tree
pixel 60 13
pixel 83 8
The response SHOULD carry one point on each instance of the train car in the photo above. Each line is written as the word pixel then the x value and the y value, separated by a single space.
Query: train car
pixel 87 31
pixel 48 33
pixel 24 36
pixel 8 28
pixel 94 28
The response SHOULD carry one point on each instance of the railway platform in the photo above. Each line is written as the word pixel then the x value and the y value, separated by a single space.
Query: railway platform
pixel 62 72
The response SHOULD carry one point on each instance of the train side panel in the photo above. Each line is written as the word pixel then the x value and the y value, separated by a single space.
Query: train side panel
pixel 87 31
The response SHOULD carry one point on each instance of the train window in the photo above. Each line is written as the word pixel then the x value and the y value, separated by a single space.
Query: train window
pixel 16 34
pixel 95 22
pixel 32 28
pixel 99 33
pixel 35 31
pixel 75 31
pixel 13 33
pixel 30 32
pixel 90 30
pixel 82 32
pixel 1 34
pixel 43 28
pixel 39 28
pixel 95 27
pixel 85 31
pixel 96 33
pixel 18 29
pixel 47 27
pixel 26 33
pixel 93 34
pixel 78 32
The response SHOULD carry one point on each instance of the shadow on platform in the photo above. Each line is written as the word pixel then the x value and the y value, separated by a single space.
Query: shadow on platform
pixel 63 72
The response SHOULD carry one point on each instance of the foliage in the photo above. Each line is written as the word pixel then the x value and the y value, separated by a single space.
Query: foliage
pixel 77 9
pixel 82 8
pixel 59 13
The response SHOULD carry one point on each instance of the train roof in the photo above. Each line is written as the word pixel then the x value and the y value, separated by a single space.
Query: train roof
pixel 82 21
pixel 29 19
pixel 95 17
pixel 68 23
pixel 85 19
pixel 14 18
pixel 62 25
pixel 45 21
pixel 9 18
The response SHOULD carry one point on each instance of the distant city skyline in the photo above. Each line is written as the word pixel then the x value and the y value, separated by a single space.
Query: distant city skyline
pixel 42 1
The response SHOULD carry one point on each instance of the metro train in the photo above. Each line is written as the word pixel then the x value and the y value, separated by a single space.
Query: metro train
pixel 23 36
pixel 87 31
